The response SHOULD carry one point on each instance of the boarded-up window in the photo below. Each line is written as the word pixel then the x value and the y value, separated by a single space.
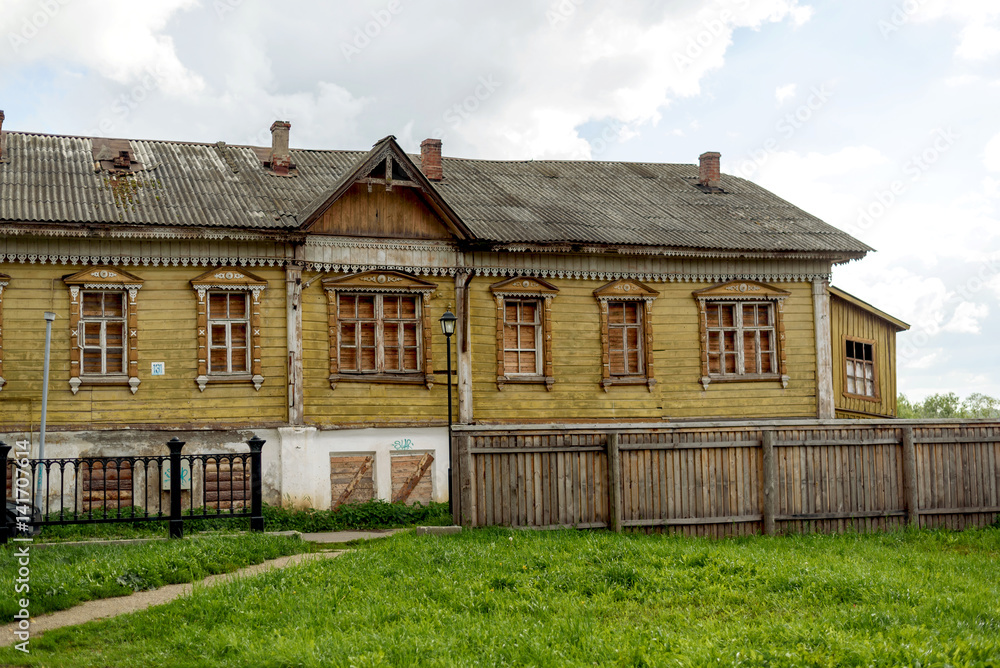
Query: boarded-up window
pixel 379 333
pixel 625 335
pixel 351 479
pixel 522 336
pixel 411 478
pixel 229 326
pixel 101 332
pixel 105 484
pixel 227 483
pixel 860 360
pixel 741 338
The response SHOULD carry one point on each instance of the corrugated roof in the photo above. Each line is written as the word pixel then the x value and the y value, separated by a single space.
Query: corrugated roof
pixel 47 178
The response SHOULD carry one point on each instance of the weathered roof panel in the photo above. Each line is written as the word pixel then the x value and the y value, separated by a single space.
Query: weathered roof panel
pixel 47 178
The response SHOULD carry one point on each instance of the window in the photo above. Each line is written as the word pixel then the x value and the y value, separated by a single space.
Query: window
pixel 102 332
pixel 379 333
pixel 228 321
pixel 860 376
pixel 522 337
pixel 625 338
pixel 229 326
pixel 740 338
pixel 742 332
pixel 104 328
pixel 626 333
pixel 379 328
pixel 524 331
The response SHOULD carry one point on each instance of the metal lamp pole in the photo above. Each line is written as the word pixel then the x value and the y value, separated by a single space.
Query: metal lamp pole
pixel 448 321
pixel 49 317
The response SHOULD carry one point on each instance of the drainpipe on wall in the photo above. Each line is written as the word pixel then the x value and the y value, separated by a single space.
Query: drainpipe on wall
pixel 293 321
pixel 464 349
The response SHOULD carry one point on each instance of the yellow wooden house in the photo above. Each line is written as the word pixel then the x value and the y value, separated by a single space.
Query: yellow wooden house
pixel 213 291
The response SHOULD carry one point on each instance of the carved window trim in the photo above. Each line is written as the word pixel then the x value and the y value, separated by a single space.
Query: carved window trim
pixel 104 279
pixel 4 282
pixel 741 292
pixel 385 283
pixel 623 290
pixel 876 397
pixel 223 279
pixel 525 288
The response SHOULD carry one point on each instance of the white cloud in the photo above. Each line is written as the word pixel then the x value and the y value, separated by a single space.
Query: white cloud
pixel 978 42
pixel 782 93
pixel 966 318
pixel 121 41
pixel 991 154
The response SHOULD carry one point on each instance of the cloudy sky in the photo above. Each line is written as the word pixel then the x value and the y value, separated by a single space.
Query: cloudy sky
pixel 879 116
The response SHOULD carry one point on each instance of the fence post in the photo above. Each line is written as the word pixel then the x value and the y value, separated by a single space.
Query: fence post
pixel 768 476
pixel 910 501
pixel 256 513
pixel 176 521
pixel 4 528
pixel 464 480
pixel 614 484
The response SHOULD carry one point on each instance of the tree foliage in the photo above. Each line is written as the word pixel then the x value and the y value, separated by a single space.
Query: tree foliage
pixel 950 405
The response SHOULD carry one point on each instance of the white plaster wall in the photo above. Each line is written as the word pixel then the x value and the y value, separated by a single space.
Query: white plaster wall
pixel 296 460
pixel 305 459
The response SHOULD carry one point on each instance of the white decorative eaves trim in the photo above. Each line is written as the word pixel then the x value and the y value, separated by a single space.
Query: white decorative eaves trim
pixel 143 261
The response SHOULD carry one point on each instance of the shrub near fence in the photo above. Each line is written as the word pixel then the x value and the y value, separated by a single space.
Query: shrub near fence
pixel 728 478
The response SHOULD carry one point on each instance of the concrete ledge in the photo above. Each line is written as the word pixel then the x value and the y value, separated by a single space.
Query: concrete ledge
pixel 438 531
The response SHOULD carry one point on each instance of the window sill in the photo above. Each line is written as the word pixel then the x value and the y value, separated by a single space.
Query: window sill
pixel 606 383
pixel 863 397
pixel 746 378
pixel 118 379
pixel 525 379
pixel 416 378
pixel 229 379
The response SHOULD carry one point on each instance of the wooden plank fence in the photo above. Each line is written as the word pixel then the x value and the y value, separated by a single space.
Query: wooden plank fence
pixel 719 479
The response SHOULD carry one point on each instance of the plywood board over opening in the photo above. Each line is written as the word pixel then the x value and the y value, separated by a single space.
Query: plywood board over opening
pixel 351 479
pixel 412 478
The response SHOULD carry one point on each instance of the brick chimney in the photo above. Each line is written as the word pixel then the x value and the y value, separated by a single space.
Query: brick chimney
pixel 1 130
pixel 708 169
pixel 430 159
pixel 281 157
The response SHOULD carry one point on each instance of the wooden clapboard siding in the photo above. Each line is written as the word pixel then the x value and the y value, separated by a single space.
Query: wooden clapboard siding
pixel 167 312
pixel 576 354
pixel 709 479
pixel 371 402
pixel 397 214
pixel 850 320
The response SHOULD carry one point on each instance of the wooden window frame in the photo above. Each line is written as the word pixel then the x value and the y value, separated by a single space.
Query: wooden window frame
pixel 622 290
pixel 227 322
pixel 104 279
pixel 877 397
pixel 385 283
pixel 4 282
pixel 526 288
pixel 740 293
pixel 229 279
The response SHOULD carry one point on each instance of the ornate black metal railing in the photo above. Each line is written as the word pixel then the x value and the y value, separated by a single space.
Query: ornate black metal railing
pixel 92 490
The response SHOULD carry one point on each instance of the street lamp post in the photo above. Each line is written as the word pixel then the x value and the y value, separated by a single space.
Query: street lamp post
pixel 448 321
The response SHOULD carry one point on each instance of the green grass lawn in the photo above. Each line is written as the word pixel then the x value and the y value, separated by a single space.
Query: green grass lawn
pixel 62 576
pixel 499 597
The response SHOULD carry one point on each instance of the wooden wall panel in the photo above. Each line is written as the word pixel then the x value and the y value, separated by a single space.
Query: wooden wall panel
pixel 577 394
pixel 354 403
pixel 848 320
pixel 167 333
pixel 396 214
